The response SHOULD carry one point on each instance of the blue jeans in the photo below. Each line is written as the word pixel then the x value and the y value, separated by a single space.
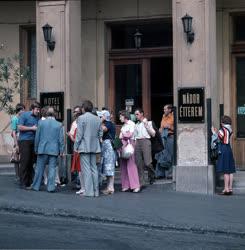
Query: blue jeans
pixel 42 161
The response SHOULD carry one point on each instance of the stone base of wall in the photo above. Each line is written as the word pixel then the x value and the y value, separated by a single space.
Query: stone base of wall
pixel 6 145
pixel 195 179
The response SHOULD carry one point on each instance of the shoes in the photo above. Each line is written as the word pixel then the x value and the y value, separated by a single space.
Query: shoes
pixel 108 191
pixel 28 188
pixel 225 193
pixel 136 190
pixel 81 191
pixel 125 189
pixel 159 177
pixel 151 180
pixel 52 191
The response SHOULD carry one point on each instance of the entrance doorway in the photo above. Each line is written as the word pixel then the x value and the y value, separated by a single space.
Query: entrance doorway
pixel 146 81
pixel 238 89
pixel 238 106
pixel 161 82
pixel 142 76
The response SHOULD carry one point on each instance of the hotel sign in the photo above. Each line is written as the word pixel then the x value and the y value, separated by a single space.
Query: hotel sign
pixel 55 100
pixel 191 105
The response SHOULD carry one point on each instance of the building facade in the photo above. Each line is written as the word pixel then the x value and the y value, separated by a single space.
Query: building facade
pixel 95 57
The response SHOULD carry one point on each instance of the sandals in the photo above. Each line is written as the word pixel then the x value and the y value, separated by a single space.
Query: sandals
pixel 226 192
pixel 125 189
pixel 107 192
pixel 136 190
pixel 81 191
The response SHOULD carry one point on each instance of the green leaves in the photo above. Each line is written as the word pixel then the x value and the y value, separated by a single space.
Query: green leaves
pixel 11 76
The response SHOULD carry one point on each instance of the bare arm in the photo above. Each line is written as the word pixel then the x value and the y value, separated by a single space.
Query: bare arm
pixel 25 128
pixel 15 138
pixel 149 128
pixel 72 138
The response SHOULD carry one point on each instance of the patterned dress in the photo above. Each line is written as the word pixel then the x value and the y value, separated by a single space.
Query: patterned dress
pixel 108 155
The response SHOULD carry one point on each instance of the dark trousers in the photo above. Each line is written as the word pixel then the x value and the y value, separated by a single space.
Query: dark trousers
pixel 27 158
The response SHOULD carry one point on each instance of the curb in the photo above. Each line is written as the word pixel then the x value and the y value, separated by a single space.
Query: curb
pixel 59 213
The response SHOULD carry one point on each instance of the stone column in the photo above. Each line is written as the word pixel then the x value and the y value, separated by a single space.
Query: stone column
pixel 194 66
pixel 60 70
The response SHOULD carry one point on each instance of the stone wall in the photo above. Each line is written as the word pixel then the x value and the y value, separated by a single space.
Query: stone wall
pixel 12 15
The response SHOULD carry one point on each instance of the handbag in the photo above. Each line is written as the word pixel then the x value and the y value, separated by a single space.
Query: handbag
pixel 15 157
pixel 156 141
pixel 214 154
pixel 214 151
pixel 116 142
pixel 127 151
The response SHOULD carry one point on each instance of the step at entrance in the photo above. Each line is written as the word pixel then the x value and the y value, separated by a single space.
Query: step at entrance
pixel 7 169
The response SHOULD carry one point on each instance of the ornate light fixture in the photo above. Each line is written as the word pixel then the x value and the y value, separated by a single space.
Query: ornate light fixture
pixel 137 39
pixel 47 33
pixel 187 26
pixel 137 34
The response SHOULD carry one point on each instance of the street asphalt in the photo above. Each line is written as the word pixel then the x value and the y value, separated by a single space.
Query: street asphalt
pixel 156 206
pixel 22 231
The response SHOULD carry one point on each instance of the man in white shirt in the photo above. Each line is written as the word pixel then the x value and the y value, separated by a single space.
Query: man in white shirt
pixel 143 132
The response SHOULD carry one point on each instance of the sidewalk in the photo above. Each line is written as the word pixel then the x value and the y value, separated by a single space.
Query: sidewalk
pixel 157 206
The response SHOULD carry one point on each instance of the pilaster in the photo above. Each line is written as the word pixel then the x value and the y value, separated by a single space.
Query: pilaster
pixel 194 66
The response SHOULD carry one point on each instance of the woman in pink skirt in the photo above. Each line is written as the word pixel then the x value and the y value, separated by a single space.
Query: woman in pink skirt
pixel 129 172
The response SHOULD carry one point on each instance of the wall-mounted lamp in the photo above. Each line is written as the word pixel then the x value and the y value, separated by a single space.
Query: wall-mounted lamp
pixel 47 32
pixel 137 39
pixel 187 26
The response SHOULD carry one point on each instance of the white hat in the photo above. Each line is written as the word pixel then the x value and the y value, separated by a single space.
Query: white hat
pixel 106 114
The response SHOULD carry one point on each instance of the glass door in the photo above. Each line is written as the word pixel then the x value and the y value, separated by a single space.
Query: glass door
pixel 128 81
pixel 238 107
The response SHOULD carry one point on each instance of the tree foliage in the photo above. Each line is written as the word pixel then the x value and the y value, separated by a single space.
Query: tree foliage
pixel 11 76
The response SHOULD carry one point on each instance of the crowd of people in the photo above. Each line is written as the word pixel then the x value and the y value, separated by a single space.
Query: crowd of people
pixel 39 138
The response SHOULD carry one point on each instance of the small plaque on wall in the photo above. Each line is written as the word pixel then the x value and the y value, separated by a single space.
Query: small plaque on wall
pixel 191 105
pixel 55 100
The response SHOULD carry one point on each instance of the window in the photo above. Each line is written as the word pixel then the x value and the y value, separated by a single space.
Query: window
pixel 32 63
pixel 239 31
pixel 128 78
pixel 240 96
pixel 155 34
pixel 28 88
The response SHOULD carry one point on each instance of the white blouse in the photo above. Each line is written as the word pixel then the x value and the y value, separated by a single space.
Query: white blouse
pixel 127 127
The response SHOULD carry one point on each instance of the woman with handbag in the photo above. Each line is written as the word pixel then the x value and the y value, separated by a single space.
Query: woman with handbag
pixel 129 171
pixel 108 155
pixel 225 163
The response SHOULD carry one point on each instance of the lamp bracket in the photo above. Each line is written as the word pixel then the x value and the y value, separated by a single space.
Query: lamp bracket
pixel 190 37
pixel 51 45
